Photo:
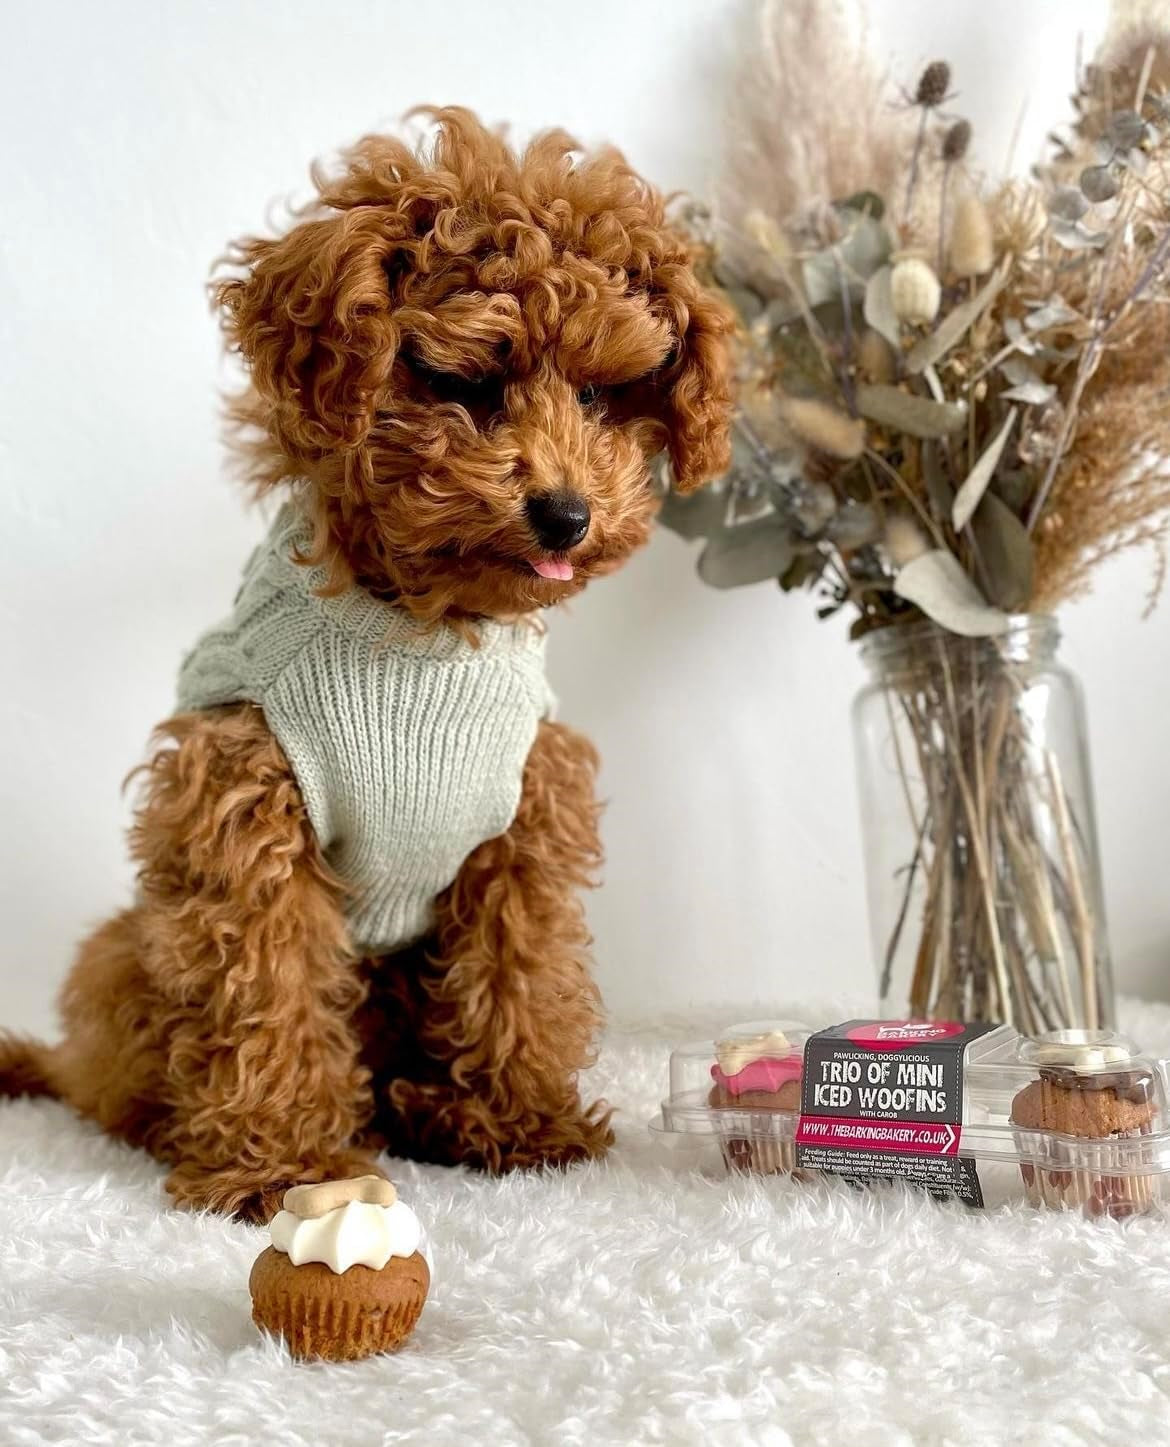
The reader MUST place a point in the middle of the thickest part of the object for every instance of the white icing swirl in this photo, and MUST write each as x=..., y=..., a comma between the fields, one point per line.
x=737, y=1051
x=356, y=1234
x=1082, y=1057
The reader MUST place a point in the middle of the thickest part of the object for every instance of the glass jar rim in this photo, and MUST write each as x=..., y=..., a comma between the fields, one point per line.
x=1024, y=633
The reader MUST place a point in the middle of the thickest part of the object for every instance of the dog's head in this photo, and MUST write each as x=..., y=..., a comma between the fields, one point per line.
x=472, y=355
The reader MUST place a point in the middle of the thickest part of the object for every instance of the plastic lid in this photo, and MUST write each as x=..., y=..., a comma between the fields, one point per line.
x=757, y=1055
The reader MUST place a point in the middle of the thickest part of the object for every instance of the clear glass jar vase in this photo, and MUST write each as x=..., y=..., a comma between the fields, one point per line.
x=982, y=867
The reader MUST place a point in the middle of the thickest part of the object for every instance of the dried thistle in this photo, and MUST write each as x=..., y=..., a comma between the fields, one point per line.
x=1018, y=217
x=932, y=85
x=956, y=141
x=931, y=92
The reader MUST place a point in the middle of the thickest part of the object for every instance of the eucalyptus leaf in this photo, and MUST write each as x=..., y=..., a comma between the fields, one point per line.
x=1026, y=383
x=1136, y=161
x=747, y=303
x=854, y=525
x=822, y=276
x=975, y=484
x=1016, y=370
x=1067, y=204
x=813, y=504
x=936, y=583
x=879, y=306
x=804, y=569
x=746, y=504
x=918, y=416
x=930, y=377
x=748, y=554
x=847, y=264
x=778, y=313
x=1005, y=551
x=938, y=486
x=954, y=325
x=1125, y=129
x=1033, y=393
x=698, y=516
x=1074, y=236
x=1014, y=486
x=865, y=248
x=869, y=203
x=1055, y=312
x=1099, y=184
x=1013, y=329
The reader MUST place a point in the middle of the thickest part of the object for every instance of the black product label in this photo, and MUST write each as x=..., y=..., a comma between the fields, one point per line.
x=883, y=1100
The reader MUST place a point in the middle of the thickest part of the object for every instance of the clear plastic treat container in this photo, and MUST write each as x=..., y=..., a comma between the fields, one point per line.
x=741, y=1091
x=1072, y=1120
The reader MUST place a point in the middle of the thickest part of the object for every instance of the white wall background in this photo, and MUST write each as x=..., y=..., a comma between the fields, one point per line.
x=135, y=138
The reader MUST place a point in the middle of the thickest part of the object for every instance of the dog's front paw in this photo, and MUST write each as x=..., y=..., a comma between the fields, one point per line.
x=233, y=1192
x=561, y=1141
x=439, y=1123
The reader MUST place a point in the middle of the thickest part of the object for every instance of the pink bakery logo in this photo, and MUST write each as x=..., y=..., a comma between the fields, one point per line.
x=893, y=1034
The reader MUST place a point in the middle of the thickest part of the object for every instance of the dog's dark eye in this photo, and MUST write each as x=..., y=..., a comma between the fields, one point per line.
x=588, y=395
x=477, y=394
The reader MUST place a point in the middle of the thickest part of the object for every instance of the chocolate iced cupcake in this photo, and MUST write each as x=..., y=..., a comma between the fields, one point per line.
x=1090, y=1095
x=756, y=1100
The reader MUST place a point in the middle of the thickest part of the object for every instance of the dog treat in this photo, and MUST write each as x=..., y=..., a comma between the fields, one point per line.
x=1087, y=1092
x=325, y=1196
x=744, y=1088
x=1072, y=1119
x=345, y=1282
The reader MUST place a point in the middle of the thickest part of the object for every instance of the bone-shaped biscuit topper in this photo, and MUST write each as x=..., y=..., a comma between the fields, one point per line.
x=311, y=1201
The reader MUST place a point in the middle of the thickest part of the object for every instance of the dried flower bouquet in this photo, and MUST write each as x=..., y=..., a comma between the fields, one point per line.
x=954, y=405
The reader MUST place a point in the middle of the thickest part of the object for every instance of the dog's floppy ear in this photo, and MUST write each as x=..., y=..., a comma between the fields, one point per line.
x=311, y=316
x=699, y=395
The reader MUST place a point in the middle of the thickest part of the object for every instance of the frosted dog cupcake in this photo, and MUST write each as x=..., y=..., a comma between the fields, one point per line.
x=344, y=1277
x=756, y=1097
x=1091, y=1095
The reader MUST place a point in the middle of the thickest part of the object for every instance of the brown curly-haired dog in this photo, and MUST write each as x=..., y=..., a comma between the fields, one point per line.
x=461, y=363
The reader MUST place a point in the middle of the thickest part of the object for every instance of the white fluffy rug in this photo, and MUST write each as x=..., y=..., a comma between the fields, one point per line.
x=623, y=1304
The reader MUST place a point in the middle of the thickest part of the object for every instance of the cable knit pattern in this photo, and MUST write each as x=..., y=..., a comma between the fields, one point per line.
x=408, y=745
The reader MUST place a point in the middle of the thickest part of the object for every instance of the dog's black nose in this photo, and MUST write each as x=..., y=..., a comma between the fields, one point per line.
x=559, y=519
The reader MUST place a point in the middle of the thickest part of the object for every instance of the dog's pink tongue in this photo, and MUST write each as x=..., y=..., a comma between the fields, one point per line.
x=550, y=568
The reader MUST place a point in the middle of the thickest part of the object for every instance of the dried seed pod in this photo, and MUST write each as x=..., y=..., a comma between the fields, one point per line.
x=820, y=425
x=932, y=84
x=972, y=240
x=956, y=141
x=904, y=540
x=875, y=357
x=914, y=291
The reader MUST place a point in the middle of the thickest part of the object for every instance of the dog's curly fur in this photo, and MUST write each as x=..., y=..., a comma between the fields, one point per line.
x=445, y=334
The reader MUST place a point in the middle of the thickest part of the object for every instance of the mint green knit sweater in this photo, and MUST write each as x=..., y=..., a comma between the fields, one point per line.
x=408, y=745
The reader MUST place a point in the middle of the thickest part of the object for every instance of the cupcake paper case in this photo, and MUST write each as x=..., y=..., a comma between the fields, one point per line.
x=1092, y=1094
x=345, y=1276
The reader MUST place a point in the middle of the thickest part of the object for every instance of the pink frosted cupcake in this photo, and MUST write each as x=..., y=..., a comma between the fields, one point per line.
x=756, y=1094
